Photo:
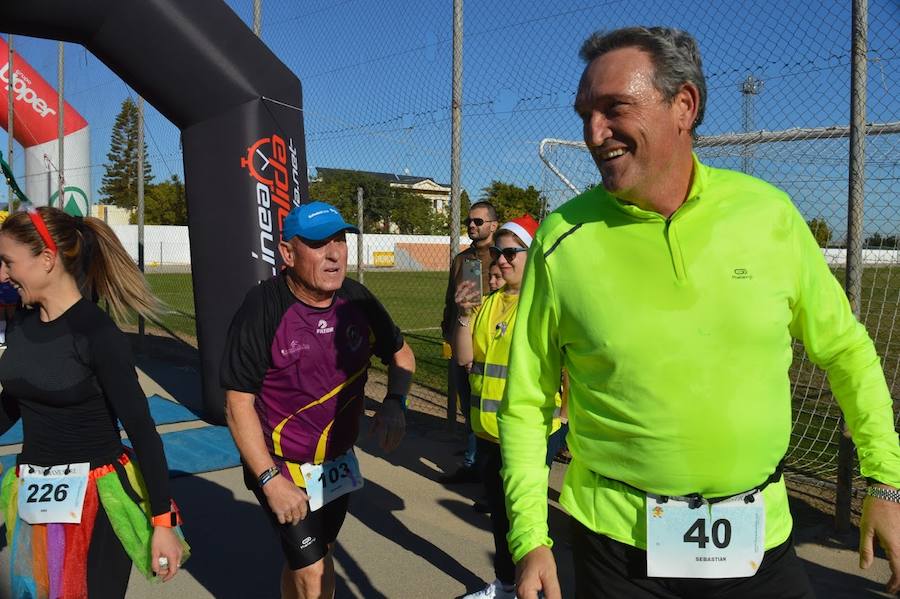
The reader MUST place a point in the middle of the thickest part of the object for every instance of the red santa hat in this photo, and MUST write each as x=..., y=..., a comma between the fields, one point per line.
x=524, y=227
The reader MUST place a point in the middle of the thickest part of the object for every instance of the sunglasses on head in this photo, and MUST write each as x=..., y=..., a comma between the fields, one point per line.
x=477, y=221
x=508, y=253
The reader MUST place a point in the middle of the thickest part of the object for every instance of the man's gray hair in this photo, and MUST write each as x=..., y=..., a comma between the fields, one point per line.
x=675, y=56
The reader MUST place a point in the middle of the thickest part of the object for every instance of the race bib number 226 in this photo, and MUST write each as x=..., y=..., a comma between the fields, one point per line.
x=52, y=495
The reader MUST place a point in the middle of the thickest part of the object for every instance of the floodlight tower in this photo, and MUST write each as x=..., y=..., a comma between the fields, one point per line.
x=750, y=87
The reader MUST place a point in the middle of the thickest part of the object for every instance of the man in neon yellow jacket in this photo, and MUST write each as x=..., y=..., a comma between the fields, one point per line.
x=671, y=294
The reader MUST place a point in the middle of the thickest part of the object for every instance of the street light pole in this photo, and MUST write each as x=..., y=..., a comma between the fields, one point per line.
x=750, y=87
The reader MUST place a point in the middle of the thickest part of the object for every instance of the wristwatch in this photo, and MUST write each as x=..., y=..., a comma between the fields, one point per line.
x=883, y=493
x=170, y=519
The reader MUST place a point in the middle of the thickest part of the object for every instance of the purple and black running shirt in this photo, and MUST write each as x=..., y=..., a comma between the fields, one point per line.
x=307, y=367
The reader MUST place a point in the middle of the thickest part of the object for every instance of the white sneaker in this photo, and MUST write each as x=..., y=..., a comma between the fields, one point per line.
x=492, y=591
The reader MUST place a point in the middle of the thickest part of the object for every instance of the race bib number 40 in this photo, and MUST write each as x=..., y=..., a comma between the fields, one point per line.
x=326, y=482
x=719, y=540
x=52, y=495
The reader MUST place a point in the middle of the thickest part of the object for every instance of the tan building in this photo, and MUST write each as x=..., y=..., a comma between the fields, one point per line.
x=437, y=194
x=112, y=215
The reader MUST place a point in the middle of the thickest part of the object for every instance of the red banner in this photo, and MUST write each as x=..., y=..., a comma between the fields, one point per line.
x=34, y=103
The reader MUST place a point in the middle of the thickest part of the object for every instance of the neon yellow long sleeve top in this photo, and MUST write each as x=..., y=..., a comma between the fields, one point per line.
x=677, y=337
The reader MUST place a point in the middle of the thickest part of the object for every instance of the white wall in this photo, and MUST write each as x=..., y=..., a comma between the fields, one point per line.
x=386, y=243
x=165, y=244
x=838, y=257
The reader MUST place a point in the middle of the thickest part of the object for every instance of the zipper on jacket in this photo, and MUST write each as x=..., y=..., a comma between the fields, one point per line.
x=675, y=250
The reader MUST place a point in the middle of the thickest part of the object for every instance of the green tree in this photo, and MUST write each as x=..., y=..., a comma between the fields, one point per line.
x=442, y=221
x=464, y=204
x=512, y=201
x=338, y=188
x=879, y=241
x=164, y=203
x=821, y=231
x=119, y=184
x=414, y=215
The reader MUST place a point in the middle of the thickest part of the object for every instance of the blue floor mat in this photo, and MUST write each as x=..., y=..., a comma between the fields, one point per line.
x=13, y=435
x=162, y=410
x=188, y=452
x=200, y=450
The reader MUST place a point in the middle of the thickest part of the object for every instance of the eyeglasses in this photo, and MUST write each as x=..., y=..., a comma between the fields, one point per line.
x=477, y=221
x=508, y=253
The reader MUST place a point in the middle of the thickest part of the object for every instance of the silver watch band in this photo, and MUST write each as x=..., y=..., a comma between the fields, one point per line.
x=882, y=493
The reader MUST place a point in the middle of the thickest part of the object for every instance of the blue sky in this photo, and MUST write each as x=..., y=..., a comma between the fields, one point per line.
x=376, y=79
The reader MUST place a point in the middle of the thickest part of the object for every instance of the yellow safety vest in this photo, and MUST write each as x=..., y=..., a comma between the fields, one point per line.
x=492, y=329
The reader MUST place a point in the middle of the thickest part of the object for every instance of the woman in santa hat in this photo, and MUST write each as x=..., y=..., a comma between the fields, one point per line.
x=481, y=343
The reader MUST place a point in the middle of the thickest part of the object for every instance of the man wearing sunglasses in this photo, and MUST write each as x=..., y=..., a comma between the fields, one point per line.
x=672, y=294
x=481, y=225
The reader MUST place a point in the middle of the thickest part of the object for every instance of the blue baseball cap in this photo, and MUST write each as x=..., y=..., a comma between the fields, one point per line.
x=314, y=221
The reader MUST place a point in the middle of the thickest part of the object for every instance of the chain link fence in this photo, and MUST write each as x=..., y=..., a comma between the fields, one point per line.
x=377, y=112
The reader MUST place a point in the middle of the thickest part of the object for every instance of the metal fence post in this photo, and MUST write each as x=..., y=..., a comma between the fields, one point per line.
x=9, y=118
x=360, y=253
x=455, y=168
x=60, y=129
x=257, y=18
x=856, y=182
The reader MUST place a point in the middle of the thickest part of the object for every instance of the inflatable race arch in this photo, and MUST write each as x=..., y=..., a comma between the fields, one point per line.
x=238, y=108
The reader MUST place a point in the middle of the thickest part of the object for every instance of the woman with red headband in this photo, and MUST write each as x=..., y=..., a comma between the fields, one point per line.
x=78, y=510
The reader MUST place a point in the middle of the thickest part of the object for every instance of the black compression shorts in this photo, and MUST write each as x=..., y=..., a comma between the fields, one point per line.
x=307, y=542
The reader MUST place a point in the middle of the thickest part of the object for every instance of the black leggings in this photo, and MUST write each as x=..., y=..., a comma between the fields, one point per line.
x=108, y=566
x=607, y=568
x=488, y=459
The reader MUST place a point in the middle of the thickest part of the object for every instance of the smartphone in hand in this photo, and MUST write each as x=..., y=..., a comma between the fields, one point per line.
x=471, y=271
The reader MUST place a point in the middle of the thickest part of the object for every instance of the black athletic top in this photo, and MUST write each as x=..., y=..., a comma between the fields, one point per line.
x=69, y=379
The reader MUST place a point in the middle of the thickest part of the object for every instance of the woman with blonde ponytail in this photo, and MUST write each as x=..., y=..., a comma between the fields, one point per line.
x=78, y=509
x=111, y=272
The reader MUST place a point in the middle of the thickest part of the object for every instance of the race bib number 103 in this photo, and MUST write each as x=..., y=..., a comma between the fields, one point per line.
x=326, y=482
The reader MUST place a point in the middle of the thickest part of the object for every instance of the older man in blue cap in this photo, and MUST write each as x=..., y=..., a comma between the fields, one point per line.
x=294, y=370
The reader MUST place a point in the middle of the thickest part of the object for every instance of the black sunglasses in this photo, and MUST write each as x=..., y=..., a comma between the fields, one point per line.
x=508, y=253
x=477, y=221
